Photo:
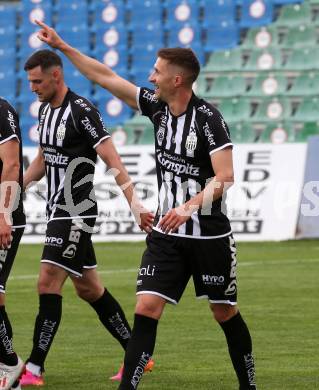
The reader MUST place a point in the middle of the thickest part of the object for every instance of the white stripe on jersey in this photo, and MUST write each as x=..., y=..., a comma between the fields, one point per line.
x=47, y=110
x=180, y=199
x=52, y=125
x=190, y=153
x=52, y=187
x=63, y=120
x=169, y=132
x=192, y=188
x=179, y=134
x=168, y=177
x=61, y=187
x=161, y=196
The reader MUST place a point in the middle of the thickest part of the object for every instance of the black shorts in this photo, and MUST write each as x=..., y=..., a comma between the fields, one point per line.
x=169, y=261
x=7, y=257
x=68, y=244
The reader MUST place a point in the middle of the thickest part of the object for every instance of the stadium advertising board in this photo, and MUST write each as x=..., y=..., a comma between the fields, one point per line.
x=262, y=205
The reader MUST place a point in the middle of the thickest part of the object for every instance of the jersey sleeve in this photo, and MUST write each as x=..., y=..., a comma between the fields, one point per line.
x=216, y=133
x=91, y=124
x=9, y=122
x=147, y=102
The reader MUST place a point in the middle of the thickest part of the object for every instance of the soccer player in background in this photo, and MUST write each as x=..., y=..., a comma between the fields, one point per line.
x=71, y=135
x=12, y=223
x=191, y=235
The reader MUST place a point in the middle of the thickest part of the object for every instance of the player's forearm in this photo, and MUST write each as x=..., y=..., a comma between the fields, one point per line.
x=34, y=173
x=9, y=187
x=213, y=191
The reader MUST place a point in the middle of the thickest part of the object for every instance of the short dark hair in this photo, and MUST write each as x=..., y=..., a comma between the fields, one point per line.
x=183, y=57
x=44, y=58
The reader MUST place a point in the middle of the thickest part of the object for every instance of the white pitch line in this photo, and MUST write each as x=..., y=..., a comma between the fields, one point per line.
x=240, y=264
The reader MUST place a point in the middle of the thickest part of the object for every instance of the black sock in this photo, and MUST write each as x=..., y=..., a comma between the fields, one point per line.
x=46, y=326
x=139, y=350
x=113, y=318
x=240, y=350
x=7, y=354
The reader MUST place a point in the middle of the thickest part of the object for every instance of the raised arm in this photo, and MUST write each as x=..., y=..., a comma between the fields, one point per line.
x=91, y=68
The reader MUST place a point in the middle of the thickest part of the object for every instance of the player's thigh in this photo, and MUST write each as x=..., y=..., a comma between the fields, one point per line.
x=214, y=270
x=7, y=257
x=163, y=271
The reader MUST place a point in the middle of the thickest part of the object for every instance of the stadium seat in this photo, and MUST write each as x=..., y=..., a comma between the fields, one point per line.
x=217, y=11
x=221, y=37
x=300, y=36
x=114, y=57
x=256, y=13
x=235, y=110
x=226, y=86
x=302, y=59
x=139, y=130
x=306, y=84
x=277, y=133
x=30, y=11
x=148, y=11
x=272, y=109
x=264, y=60
x=112, y=13
x=75, y=35
x=110, y=35
x=71, y=13
x=179, y=12
x=222, y=61
x=307, y=110
x=261, y=37
x=186, y=35
x=148, y=34
x=308, y=129
x=8, y=16
x=140, y=78
x=7, y=59
x=8, y=37
x=295, y=15
x=78, y=83
x=113, y=110
x=268, y=85
x=242, y=132
x=8, y=84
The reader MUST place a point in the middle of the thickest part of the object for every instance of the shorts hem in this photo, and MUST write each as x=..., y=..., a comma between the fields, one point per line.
x=227, y=302
x=158, y=294
x=193, y=237
x=62, y=266
x=90, y=266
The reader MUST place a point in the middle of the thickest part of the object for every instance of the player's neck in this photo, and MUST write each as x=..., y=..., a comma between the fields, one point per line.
x=179, y=102
x=59, y=97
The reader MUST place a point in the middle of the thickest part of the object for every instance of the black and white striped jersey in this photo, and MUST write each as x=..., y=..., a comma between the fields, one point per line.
x=183, y=149
x=69, y=135
x=10, y=129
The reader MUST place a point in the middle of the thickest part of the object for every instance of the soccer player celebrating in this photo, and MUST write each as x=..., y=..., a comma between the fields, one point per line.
x=191, y=236
x=71, y=135
x=12, y=223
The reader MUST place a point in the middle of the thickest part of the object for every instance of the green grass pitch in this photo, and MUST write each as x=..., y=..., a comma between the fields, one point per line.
x=278, y=297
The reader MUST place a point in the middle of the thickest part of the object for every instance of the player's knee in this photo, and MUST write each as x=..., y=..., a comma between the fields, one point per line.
x=150, y=307
x=223, y=312
x=88, y=294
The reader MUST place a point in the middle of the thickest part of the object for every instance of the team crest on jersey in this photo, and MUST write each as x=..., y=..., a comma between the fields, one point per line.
x=191, y=141
x=60, y=134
